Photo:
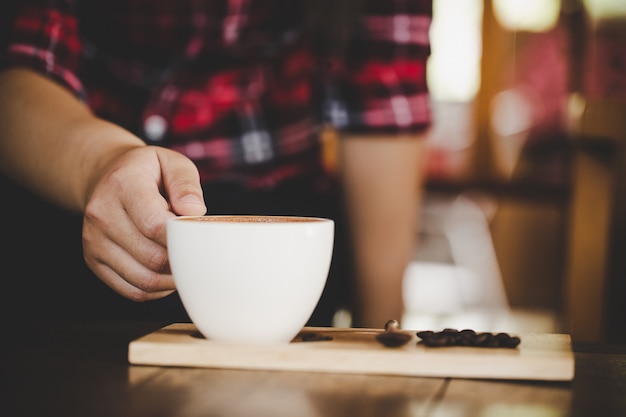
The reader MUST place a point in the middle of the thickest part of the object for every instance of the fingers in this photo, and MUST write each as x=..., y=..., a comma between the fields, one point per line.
x=182, y=184
x=124, y=237
x=127, y=277
x=147, y=208
x=125, y=288
x=124, y=259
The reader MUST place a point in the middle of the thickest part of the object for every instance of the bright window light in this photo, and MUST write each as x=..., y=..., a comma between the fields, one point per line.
x=455, y=35
x=601, y=9
x=527, y=15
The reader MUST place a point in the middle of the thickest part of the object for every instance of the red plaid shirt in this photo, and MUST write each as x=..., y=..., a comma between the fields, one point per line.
x=231, y=83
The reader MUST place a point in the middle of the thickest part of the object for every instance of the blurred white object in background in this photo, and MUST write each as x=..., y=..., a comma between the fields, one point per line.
x=440, y=288
x=460, y=288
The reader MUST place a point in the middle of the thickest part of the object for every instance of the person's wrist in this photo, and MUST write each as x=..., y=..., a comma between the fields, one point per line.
x=102, y=145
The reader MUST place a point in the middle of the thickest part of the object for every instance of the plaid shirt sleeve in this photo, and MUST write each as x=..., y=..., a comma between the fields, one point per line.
x=381, y=85
x=44, y=37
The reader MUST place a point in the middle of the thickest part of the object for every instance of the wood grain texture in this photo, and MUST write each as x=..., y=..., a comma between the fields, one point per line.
x=547, y=357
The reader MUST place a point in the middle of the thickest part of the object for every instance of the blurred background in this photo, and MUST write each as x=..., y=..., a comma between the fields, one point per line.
x=522, y=226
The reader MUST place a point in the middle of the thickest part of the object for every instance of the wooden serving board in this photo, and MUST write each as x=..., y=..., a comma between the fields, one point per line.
x=538, y=357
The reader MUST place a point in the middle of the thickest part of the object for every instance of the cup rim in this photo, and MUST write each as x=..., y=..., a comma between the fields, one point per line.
x=241, y=219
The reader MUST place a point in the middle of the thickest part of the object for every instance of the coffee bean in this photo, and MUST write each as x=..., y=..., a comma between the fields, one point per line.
x=438, y=340
x=512, y=342
x=467, y=337
x=492, y=341
x=393, y=339
x=467, y=333
x=393, y=336
x=481, y=339
x=425, y=334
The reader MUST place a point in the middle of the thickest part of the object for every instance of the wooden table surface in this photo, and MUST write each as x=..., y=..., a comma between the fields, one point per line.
x=80, y=368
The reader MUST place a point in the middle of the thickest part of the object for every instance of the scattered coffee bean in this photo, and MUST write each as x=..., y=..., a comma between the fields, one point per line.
x=392, y=336
x=467, y=337
x=481, y=339
x=393, y=339
x=392, y=325
x=511, y=342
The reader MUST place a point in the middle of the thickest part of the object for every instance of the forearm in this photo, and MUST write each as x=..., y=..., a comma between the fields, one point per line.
x=50, y=142
x=383, y=180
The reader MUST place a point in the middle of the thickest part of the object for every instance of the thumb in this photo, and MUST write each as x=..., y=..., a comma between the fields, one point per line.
x=181, y=182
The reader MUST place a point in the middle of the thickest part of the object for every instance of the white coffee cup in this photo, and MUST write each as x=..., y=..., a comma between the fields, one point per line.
x=250, y=279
